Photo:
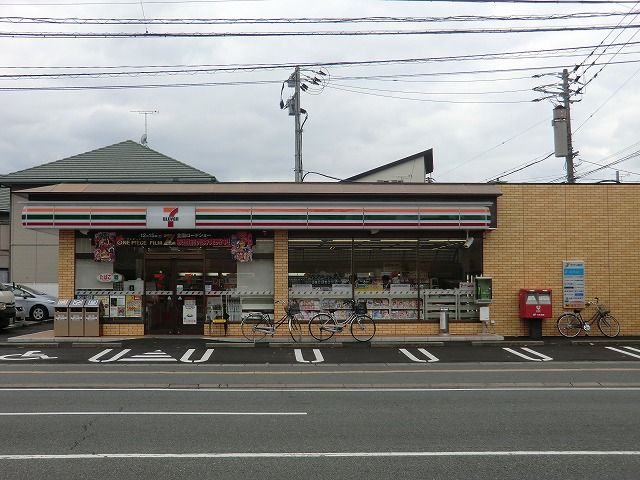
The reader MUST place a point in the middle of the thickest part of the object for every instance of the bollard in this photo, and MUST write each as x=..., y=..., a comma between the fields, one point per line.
x=444, y=321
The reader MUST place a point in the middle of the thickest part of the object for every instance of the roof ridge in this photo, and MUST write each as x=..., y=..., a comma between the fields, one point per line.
x=126, y=160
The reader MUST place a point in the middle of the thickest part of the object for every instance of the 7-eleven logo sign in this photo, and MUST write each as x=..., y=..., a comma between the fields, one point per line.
x=170, y=216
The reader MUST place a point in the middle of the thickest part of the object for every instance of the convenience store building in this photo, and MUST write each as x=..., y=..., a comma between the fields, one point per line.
x=153, y=252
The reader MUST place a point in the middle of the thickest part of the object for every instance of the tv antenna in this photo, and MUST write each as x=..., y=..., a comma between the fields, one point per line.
x=143, y=140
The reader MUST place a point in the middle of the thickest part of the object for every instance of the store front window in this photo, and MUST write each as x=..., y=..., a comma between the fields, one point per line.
x=174, y=283
x=395, y=273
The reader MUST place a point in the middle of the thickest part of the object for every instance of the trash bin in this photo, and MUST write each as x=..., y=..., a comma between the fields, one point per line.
x=444, y=321
x=61, y=319
x=76, y=318
x=92, y=318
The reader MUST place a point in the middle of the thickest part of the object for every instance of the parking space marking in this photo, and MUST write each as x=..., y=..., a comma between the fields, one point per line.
x=541, y=356
x=30, y=355
x=154, y=356
x=316, y=352
x=430, y=358
x=625, y=351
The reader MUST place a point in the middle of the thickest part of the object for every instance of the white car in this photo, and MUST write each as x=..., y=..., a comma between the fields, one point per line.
x=37, y=306
x=7, y=307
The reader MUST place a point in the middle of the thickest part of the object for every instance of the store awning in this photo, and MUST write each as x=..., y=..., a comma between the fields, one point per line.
x=256, y=215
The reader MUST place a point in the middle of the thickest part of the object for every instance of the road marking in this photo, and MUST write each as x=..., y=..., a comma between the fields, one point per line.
x=207, y=355
x=182, y=373
x=117, y=356
x=38, y=414
x=321, y=389
x=258, y=455
x=30, y=355
x=413, y=358
x=155, y=356
x=542, y=357
x=316, y=352
x=626, y=352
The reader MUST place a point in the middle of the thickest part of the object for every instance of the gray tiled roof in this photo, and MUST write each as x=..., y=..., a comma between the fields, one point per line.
x=125, y=162
x=4, y=199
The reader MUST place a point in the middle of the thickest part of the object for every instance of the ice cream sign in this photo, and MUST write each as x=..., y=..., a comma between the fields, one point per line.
x=110, y=277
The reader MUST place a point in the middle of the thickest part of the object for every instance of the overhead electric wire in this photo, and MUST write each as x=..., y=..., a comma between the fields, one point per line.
x=518, y=169
x=303, y=20
x=333, y=33
x=504, y=142
x=354, y=90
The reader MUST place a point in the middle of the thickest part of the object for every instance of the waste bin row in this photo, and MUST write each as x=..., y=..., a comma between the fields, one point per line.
x=77, y=318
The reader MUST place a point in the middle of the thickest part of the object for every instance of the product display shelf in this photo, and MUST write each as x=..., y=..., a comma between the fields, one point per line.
x=238, y=303
x=385, y=305
x=312, y=302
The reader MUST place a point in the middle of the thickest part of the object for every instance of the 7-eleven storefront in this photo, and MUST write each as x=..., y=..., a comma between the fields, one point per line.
x=177, y=259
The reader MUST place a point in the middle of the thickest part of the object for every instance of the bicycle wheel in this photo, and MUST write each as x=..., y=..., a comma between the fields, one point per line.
x=295, y=328
x=363, y=328
x=254, y=328
x=609, y=326
x=322, y=326
x=569, y=325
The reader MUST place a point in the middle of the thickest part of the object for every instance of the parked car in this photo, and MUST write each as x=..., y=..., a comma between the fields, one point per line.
x=7, y=306
x=37, y=306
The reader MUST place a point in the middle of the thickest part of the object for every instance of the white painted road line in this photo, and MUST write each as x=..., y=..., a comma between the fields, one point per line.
x=542, y=357
x=625, y=351
x=430, y=358
x=300, y=359
x=323, y=390
x=37, y=414
x=259, y=455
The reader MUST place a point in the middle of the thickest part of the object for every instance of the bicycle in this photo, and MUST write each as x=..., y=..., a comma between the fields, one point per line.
x=256, y=325
x=324, y=325
x=570, y=324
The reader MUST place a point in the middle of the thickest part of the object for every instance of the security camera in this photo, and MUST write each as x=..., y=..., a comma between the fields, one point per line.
x=469, y=242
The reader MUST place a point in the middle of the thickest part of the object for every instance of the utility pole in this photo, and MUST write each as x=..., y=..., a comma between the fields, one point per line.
x=567, y=105
x=298, y=128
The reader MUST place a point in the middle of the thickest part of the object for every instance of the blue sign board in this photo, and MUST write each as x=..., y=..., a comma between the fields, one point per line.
x=573, y=284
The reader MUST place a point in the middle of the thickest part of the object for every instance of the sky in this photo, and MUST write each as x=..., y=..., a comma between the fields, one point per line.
x=481, y=126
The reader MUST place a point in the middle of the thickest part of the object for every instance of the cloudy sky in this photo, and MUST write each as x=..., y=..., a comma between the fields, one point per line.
x=229, y=123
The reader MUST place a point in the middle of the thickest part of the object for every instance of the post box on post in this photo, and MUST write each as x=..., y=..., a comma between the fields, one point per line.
x=535, y=305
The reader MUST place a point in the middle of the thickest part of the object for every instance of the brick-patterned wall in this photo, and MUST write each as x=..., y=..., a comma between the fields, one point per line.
x=122, y=329
x=66, y=264
x=540, y=226
x=281, y=271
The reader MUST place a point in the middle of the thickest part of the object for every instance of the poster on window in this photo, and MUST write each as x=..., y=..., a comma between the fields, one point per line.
x=189, y=316
x=104, y=247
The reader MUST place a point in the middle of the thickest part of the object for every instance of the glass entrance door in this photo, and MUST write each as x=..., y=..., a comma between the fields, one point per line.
x=174, y=294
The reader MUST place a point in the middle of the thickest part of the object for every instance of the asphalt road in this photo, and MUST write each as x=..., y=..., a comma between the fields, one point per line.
x=199, y=352
x=474, y=421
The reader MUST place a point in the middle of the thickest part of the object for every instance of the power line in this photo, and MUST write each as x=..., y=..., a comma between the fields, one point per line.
x=520, y=168
x=304, y=20
x=494, y=147
x=347, y=33
x=354, y=90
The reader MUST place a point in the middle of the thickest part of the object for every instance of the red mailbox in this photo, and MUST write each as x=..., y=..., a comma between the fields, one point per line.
x=535, y=303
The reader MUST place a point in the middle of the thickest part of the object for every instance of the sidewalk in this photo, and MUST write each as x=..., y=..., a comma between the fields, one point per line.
x=47, y=339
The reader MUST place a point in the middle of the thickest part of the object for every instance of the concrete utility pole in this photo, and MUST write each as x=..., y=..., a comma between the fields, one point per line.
x=298, y=128
x=567, y=105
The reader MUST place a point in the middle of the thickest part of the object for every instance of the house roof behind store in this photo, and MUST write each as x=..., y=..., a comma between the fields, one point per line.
x=124, y=162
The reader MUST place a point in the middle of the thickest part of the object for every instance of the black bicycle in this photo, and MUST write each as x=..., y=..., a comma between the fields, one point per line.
x=257, y=325
x=324, y=325
x=570, y=324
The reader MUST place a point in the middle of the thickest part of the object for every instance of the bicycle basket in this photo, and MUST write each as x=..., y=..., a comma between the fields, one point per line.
x=360, y=308
x=603, y=309
x=292, y=308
